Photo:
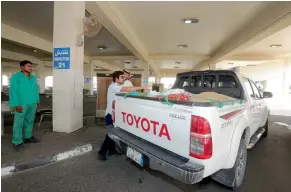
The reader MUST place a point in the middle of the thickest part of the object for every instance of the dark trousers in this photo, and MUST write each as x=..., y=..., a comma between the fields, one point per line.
x=108, y=143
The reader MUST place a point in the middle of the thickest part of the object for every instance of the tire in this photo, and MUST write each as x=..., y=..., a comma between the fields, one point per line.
x=266, y=127
x=240, y=165
x=234, y=176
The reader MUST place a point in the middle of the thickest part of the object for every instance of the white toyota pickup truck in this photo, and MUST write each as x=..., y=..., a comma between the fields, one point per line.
x=190, y=141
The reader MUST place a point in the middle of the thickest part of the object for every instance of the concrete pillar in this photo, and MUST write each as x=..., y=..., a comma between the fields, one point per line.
x=145, y=78
x=93, y=74
x=158, y=79
x=68, y=66
x=287, y=82
x=1, y=78
x=212, y=67
x=236, y=69
x=88, y=77
x=146, y=75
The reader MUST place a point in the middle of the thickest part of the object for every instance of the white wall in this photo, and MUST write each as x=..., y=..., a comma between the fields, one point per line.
x=271, y=72
x=276, y=74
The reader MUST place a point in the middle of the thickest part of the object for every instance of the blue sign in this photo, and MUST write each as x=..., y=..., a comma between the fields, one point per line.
x=62, y=58
x=145, y=81
x=87, y=80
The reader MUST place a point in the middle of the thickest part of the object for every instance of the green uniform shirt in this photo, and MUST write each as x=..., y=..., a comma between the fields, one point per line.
x=23, y=90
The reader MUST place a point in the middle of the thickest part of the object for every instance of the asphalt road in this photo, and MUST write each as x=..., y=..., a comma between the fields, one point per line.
x=268, y=170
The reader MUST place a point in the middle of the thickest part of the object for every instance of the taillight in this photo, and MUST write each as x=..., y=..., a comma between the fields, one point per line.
x=113, y=111
x=200, y=138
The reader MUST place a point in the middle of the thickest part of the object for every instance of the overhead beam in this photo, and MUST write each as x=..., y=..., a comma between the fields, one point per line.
x=48, y=63
x=274, y=18
x=105, y=65
x=13, y=34
x=154, y=66
x=257, y=57
x=252, y=58
x=154, y=57
x=18, y=56
x=173, y=70
x=10, y=64
x=13, y=64
x=114, y=22
x=115, y=57
x=179, y=57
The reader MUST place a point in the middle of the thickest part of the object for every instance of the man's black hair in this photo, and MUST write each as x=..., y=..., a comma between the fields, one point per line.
x=22, y=63
x=116, y=75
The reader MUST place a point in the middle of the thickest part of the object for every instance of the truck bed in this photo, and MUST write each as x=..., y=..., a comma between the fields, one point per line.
x=186, y=103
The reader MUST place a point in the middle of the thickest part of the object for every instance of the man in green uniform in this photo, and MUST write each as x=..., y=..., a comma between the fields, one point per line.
x=24, y=98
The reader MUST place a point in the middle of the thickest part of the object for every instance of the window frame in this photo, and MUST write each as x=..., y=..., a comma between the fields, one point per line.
x=248, y=81
x=234, y=78
x=191, y=78
x=178, y=82
x=203, y=81
x=255, y=87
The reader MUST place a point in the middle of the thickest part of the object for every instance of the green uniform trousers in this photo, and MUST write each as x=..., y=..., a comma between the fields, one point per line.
x=23, y=122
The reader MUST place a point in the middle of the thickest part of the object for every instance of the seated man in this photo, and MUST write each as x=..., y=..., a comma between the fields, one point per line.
x=116, y=87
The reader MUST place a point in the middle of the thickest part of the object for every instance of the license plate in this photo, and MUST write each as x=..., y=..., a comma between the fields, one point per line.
x=134, y=155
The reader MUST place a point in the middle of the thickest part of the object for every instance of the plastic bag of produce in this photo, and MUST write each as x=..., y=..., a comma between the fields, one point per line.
x=179, y=97
x=153, y=94
x=174, y=91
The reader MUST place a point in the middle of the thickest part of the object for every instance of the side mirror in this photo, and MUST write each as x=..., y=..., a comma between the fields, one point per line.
x=267, y=95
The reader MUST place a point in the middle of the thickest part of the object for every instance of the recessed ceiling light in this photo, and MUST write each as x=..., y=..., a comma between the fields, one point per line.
x=127, y=62
x=134, y=67
x=176, y=67
x=35, y=50
x=230, y=63
x=276, y=45
x=102, y=47
x=177, y=62
x=182, y=46
x=189, y=21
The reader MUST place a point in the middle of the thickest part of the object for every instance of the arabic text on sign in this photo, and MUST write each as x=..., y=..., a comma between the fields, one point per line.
x=64, y=52
x=62, y=59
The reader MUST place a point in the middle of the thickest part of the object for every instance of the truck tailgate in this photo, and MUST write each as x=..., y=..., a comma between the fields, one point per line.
x=163, y=125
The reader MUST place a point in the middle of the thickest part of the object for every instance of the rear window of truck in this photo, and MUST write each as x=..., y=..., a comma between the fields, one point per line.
x=223, y=83
x=226, y=81
x=210, y=81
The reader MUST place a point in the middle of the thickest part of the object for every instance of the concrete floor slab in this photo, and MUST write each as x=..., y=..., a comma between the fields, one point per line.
x=268, y=170
x=51, y=143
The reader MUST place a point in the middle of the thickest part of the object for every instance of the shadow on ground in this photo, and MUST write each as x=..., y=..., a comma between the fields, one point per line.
x=51, y=143
x=268, y=170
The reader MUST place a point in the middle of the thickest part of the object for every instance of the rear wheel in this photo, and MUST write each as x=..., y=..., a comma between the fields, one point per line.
x=233, y=177
x=266, y=127
x=240, y=165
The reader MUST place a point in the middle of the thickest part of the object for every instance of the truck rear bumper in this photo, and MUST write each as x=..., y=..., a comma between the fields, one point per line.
x=158, y=158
